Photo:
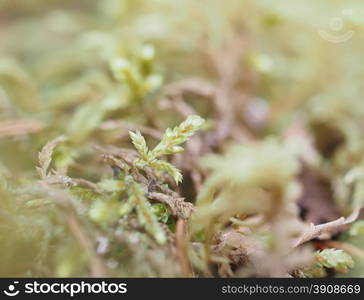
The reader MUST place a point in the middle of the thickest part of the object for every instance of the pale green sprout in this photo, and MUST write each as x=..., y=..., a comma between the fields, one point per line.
x=146, y=217
x=261, y=63
x=335, y=259
x=147, y=52
x=357, y=228
x=123, y=70
x=327, y=258
x=136, y=73
x=170, y=144
x=104, y=210
x=161, y=211
x=111, y=185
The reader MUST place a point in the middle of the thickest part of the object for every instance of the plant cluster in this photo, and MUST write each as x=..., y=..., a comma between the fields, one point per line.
x=180, y=138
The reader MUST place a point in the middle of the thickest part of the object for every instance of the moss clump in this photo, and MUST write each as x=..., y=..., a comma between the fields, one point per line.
x=180, y=138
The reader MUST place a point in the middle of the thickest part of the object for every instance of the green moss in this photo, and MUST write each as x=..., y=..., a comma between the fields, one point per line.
x=105, y=160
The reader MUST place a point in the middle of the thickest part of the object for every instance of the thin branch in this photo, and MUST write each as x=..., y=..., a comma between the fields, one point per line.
x=181, y=249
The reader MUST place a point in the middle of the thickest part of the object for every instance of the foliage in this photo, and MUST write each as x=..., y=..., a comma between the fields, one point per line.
x=168, y=145
x=107, y=168
x=333, y=258
x=329, y=258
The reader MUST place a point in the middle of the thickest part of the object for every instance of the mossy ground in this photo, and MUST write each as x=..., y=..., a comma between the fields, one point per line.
x=261, y=172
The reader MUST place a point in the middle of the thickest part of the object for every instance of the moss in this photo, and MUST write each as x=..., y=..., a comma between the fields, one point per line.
x=180, y=138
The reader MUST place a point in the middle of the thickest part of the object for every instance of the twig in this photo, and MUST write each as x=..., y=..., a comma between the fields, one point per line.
x=327, y=230
x=19, y=127
x=179, y=207
x=181, y=249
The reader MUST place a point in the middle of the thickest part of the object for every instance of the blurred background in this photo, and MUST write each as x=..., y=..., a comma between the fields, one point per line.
x=288, y=64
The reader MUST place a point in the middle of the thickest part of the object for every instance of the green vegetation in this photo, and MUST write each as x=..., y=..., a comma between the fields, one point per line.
x=167, y=138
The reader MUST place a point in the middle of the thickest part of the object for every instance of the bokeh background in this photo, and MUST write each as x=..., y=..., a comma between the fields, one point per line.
x=299, y=72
